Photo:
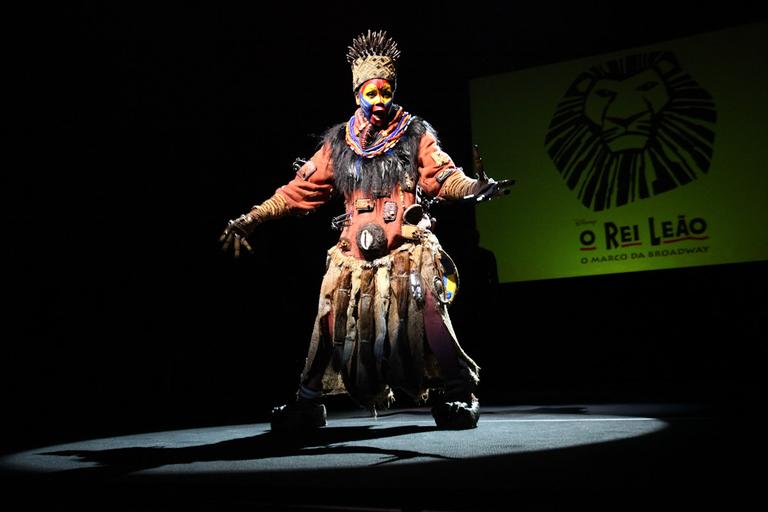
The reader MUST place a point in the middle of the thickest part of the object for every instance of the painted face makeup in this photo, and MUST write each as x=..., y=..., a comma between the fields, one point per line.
x=375, y=99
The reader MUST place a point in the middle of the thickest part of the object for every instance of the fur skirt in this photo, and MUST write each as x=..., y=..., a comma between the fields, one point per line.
x=384, y=325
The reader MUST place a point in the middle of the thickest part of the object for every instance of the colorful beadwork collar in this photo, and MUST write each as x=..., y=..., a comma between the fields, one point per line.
x=385, y=140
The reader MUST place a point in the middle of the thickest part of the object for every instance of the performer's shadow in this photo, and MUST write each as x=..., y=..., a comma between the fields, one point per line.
x=324, y=441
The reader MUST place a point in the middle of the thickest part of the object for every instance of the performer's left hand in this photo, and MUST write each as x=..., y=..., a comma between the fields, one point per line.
x=487, y=188
x=491, y=188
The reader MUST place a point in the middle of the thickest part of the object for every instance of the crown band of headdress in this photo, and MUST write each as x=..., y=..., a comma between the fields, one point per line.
x=373, y=55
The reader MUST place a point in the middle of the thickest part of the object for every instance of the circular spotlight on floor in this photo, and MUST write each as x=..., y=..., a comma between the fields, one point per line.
x=397, y=437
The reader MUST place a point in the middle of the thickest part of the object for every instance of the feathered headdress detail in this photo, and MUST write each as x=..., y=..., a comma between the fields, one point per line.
x=373, y=55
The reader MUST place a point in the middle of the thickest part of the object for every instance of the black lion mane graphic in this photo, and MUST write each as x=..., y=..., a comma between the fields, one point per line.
x=632, y=128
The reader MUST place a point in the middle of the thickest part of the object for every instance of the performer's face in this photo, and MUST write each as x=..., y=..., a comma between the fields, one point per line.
x=375, y=99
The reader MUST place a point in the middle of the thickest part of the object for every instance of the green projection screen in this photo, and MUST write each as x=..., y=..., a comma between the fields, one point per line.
x=644, y=159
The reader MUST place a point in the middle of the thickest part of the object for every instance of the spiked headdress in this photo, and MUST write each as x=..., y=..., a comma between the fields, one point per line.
x=373, y=55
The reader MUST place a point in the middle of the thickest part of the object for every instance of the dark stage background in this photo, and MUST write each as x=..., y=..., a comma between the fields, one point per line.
x=142, y=130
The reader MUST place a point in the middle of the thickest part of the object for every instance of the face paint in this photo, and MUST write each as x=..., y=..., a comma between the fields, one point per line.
x=375, y=100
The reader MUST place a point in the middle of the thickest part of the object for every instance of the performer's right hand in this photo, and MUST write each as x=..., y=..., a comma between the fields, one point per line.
x=236, y=233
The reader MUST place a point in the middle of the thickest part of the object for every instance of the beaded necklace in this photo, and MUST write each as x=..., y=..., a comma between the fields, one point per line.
x=387, y=138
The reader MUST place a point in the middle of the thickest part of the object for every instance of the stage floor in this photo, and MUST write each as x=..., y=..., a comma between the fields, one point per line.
x=398, y=460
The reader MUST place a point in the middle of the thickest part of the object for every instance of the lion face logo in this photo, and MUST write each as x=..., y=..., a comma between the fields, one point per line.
x=631, y=128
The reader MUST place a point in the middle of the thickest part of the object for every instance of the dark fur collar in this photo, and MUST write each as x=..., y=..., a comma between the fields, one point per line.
x=377, y=176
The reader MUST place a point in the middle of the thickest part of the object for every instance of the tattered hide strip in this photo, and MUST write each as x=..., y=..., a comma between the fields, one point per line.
x=396, y=320
x=415, y=328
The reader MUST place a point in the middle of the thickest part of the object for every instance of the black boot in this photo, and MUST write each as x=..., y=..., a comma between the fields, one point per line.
x=300, y=415
x=457, y=414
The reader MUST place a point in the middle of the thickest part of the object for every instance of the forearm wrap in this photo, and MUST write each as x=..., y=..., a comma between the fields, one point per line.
x=458, y=185
x=273, y=208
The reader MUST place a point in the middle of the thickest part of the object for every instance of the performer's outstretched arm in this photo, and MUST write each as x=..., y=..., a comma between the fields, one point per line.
x=310, y=188
x=441, y=178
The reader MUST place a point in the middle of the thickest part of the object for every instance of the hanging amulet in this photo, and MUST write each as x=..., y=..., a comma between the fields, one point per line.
x=407, y=182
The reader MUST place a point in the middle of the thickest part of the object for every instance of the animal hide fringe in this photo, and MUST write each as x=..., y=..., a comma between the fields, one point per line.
x=369, y=334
